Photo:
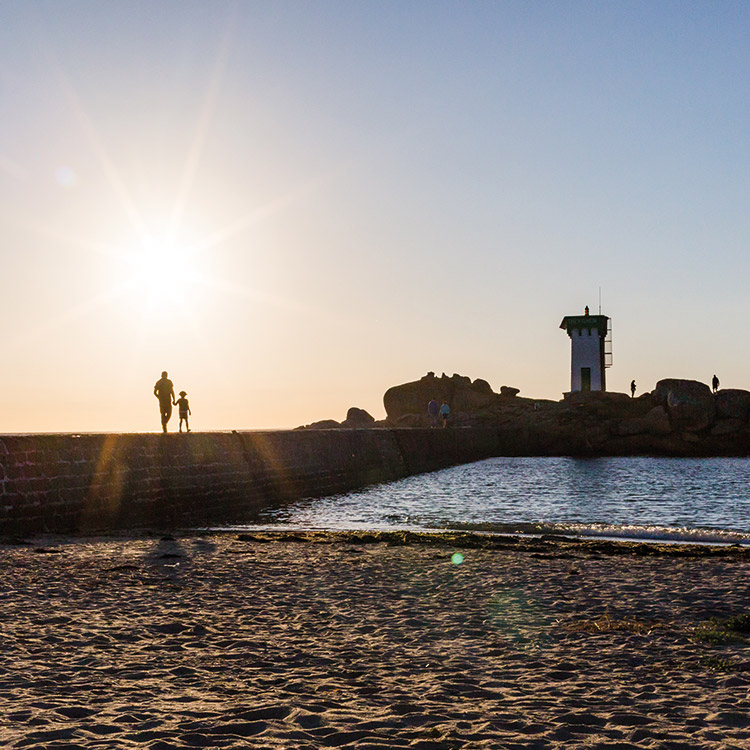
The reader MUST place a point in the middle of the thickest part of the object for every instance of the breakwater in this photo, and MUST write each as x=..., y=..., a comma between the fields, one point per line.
x=88, y=483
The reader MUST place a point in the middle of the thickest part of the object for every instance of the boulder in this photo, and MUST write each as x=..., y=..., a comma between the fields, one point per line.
x=412, y=420
x=727, y=426
x=482, y=386
x=508, y=392
x=732, y=403
x=461, y=394
x=656, y=422
x=608, y=404
x=629, y=427
x=358, y=418
x=324, y=424
x=690, y=404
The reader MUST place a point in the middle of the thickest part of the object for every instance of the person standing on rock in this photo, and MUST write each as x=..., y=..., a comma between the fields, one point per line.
x=632, y=389
x=433, y=410
x=715, y=383
x=164, y=391
x=445, y=411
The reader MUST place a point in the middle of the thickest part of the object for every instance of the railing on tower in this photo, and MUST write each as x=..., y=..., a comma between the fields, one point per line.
x=608, y=345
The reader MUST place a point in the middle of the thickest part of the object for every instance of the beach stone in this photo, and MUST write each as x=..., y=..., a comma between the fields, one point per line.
x=732, y=403
x=689, y=403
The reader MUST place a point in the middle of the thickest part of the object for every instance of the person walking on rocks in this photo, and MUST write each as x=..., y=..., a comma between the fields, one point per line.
x=433, y=410
x=715, y=383
x=183, y=408
x=632, y=389
x=445, y=411
x=164, y=391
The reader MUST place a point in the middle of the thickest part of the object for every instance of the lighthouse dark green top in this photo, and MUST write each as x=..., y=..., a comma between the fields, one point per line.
x=579, y=322
x=587, y=334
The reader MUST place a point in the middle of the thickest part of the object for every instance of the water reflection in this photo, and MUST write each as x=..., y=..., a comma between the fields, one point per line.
x=603, y=495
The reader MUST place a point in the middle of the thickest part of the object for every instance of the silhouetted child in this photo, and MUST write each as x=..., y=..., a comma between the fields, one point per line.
x=184, y=408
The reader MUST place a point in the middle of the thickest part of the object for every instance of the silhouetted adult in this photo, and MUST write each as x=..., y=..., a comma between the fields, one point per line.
x=164, y=391
x=632, y=388
x=715, y=383
x=433, y=409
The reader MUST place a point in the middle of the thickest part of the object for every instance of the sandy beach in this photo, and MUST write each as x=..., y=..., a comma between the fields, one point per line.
x=234, y=640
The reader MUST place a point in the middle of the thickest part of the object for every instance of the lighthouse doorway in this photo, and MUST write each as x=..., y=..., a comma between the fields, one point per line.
x=585, y=378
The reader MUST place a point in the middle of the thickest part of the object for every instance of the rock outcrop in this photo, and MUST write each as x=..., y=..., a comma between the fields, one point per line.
x=679, y=418
x=467, y=399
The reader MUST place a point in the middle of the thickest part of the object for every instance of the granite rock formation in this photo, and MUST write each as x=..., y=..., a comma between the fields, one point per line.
x=680, y=417
x=407, y=403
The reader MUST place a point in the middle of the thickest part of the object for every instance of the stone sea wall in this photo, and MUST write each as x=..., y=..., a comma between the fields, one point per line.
x=88, y=483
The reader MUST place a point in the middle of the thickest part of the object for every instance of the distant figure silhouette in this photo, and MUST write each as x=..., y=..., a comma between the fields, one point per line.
x=586, y=310
x=632, y=389
x=715, y=383
x=183, y=407
x=164, y=391
x=433, y=409
x=445, y=411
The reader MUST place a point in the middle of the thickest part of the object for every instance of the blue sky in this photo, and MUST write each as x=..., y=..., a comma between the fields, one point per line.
x=292, y=206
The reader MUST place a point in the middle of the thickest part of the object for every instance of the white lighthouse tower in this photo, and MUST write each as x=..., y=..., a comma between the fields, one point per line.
x=589, y=351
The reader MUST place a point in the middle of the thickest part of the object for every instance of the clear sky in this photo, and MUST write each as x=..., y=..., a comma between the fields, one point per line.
x=293, y=205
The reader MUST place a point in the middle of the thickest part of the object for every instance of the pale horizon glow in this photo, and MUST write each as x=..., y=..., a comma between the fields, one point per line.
x=291, y=207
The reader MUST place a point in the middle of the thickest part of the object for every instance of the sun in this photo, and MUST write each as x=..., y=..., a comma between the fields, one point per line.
x=161, y=274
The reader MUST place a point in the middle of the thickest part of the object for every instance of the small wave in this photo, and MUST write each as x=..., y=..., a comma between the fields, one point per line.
x=662, y=534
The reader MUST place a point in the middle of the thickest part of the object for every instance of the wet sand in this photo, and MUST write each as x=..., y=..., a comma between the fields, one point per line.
x=325, y=640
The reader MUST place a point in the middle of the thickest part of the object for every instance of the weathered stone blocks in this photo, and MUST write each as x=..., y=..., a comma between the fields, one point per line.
x=99, y=482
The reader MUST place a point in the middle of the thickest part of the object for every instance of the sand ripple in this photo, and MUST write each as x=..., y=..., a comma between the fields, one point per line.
x=216, y=641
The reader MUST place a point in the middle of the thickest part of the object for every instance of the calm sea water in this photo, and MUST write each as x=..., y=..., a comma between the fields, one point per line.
x=703, y=500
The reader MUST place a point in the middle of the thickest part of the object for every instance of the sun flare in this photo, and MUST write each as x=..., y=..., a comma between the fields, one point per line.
x=161, y=274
